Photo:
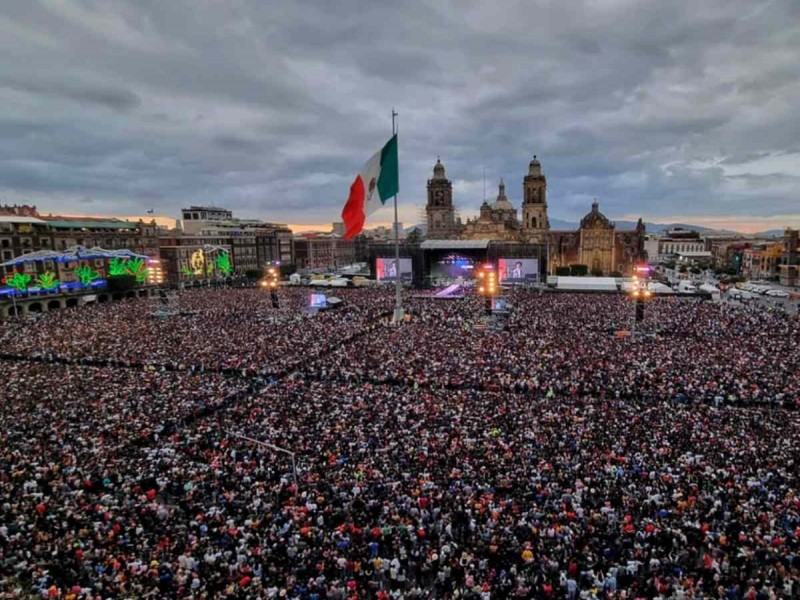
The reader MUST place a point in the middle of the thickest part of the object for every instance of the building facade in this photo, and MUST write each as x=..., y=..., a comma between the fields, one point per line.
x=789, y=268
x=188, y=259
x=255, y=244
x=596, y=244
x=23, y=230
x=195, y=218
x=323, y=251
x=761, y=261
x=440, y=212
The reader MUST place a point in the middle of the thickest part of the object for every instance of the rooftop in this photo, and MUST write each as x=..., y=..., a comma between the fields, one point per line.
x=454, y=244
x=16, y=219
x=85, y=223
x=208, y=208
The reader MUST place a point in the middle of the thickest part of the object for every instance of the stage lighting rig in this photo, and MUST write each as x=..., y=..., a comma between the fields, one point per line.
x=487, y=285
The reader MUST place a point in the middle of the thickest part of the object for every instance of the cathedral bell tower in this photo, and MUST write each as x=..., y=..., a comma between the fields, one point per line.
x=439, y=210
x=535, y=223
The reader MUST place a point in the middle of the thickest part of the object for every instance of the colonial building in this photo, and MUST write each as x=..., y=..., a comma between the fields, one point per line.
x=442, y=223
x=254, y=243
x=23, y=231
x=596, y=244
x=323, y=251
x=789, y=269
x=497, y=221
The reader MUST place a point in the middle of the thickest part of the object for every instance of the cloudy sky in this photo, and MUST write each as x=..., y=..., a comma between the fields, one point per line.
x=679, y=110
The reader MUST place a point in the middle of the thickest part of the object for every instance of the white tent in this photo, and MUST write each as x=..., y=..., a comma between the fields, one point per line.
x=597, y=284
x=659, y=288
x=711, y=289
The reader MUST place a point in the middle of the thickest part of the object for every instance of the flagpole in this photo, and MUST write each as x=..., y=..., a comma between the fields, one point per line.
x=398, y=284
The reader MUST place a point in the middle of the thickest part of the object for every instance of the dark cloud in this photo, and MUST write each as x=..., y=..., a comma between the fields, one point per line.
x=271, y=108
x=115, y=99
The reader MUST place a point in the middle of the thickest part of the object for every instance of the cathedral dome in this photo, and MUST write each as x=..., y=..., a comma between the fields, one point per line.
x=502, y=202
x=596, y=219
x=438, y=170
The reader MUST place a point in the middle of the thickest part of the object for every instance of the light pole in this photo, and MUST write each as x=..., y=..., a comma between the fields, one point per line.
x=639, y=293
x=487, y=286
x=275, y=449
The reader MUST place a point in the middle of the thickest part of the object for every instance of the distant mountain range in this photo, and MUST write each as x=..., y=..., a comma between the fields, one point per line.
x=651, y=227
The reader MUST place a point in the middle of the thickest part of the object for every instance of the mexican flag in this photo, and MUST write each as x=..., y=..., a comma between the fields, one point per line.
x=377, y=182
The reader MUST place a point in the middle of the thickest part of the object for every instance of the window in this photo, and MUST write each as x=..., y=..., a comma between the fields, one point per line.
x=7, y=255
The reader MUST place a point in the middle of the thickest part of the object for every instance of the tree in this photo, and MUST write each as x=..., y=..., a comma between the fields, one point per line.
x=287, y=269
x=253, y=274
x=415, y=237
x=563, y=271
x=615, y=274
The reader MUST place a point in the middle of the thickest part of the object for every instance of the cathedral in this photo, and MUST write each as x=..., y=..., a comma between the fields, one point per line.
x=597, y=243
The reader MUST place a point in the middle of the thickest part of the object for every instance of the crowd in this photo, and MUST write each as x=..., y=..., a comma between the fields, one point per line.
x=540, y=456
x=574, y=344
x=228, y=330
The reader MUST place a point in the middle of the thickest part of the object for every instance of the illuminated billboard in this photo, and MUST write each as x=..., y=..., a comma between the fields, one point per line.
x=518, y=270
x=318, y=301
x=388, y=269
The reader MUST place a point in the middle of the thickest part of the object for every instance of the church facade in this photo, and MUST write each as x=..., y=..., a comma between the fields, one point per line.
x=597, y=243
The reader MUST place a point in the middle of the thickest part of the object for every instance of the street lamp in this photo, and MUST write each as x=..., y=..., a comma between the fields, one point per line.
x=640, y=293
x=270, y=282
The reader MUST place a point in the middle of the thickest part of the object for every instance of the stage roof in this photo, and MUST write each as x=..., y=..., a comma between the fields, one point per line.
x=455, y=244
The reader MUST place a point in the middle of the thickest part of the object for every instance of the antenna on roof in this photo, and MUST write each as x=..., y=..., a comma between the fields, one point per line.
x=484, y=183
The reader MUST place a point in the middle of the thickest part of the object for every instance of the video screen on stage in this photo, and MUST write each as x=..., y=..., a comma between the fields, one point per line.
x=388, y=269
x=518, y=270
x=318, y=301
x=452, y=266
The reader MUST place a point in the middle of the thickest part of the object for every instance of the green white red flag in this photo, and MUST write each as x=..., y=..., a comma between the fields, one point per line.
x=373, y=186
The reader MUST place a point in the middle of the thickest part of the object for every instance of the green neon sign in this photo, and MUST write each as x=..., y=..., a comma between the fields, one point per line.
x=224, y=264
x=137, y=268
x=18, y=281
x=86, y=275
x=117, y=267
x=47, y=281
